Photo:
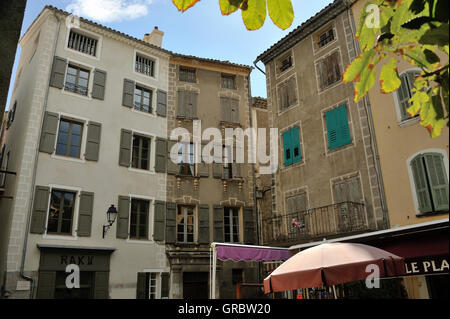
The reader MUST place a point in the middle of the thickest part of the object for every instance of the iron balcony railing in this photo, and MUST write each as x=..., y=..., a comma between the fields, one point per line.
x=342, y=218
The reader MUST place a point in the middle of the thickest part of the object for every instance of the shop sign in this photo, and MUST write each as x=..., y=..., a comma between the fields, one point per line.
x=428, y=265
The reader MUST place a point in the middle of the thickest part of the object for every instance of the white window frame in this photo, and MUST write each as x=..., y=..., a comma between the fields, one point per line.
x=410, y=121
x=152, y=137
x=156, y=65
x=151, y=211
x=158, y=273
x=153, y=105
x=227, y=209
x=87, y=67
x=89, y=34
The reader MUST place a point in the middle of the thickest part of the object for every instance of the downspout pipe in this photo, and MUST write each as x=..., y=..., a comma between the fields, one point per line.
x=33, y=183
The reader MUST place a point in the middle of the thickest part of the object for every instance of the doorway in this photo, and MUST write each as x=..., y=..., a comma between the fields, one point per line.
x=195, y=285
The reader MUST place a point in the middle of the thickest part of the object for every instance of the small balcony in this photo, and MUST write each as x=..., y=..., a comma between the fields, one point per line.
x=315, y=224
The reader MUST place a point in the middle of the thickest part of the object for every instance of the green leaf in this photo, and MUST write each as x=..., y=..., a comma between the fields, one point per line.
x=366, y=36
x=418, y=57
x=281, y=12
x=436, y=36
x=431, y=57
x=358, y=65
x=227, y=7
x=418, y=99
x=183, y=5
x=254, y=14
x=367, y=80
x=389, y=80
x=432, y=116
x=402, y=15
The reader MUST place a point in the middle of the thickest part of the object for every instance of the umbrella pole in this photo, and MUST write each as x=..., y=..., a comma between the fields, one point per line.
x=334, y=290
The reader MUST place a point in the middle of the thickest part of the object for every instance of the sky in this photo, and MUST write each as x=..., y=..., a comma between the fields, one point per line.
x=200, y=31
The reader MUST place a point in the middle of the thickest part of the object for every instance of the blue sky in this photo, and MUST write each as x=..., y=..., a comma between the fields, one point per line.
x=201, y=31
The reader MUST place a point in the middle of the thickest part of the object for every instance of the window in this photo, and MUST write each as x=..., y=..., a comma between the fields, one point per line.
x=82, y=43
x=431, y=183
x=404, y=93
x=187, y=75
x=77, y=80
x=69, y=138
x=287, y=93
x=228, y=162
x=296, y=209
x=141, y=152
x=187, y=105
x=329, y=70
x=337, y=128
x=229, y=110
x=326, y=37
x=291, y=144
x=285, y=63
x=139, y=219
x=152, y=285
x=61, y=212
x=185, y=224
x=142, y=99
x=11, y=115
x=144, y=65
x=231, y=225
x=228, y=81
x=186, y=159
x=348, y=190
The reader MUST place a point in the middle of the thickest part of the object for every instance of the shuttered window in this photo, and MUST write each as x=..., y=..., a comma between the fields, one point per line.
x=291, y=145
x=329, y=70
x=69, y=138
x=141, y=152
x=231, y=222
x=431, y=183
x=61, y=212
x=185, y=224
x=77, y=80
x=187, y=104
x=404, y=93
x=139, y=219
x=145, y=65
x=287, y=93
x=229, y=110
x=187, y=75
x=186, y=159
x=228, y=81
x=82, y=43
x=326, y=37
x=337, y=128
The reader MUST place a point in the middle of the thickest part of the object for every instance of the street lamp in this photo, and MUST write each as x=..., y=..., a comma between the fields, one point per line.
x=111, y=215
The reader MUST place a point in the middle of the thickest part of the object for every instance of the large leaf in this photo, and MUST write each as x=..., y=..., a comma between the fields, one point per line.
x=431, y=116
x=183, y=5
x=281, y=12
x=389, y=80
x=366, y=36
x=436, y=36
x=227, y=7
x=402, y=15
x=358, y=65
x=254, y=14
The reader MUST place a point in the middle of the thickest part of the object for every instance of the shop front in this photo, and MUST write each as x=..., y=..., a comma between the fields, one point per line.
x=59, y=265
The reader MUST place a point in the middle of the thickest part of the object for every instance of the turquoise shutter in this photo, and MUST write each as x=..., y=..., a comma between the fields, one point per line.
x=437, y=178
x=338, y=128
x=287, y=142
x=295, y=145
x=420, y=182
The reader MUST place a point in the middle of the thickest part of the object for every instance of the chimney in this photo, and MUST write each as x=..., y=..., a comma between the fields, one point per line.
x=155, y=37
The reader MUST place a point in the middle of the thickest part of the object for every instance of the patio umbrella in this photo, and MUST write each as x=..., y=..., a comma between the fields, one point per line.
x=331, y=264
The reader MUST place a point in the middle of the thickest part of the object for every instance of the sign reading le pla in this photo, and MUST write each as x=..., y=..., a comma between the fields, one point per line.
x=427, y=265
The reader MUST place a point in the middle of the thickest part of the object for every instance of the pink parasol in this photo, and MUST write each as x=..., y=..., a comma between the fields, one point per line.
x=331, y=264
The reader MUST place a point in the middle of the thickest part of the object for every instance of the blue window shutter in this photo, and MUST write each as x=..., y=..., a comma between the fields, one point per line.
x=337, y=127
x=287, y=142
x=295, y=145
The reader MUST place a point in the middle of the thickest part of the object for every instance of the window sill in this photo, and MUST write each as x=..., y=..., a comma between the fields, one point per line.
x=67, y=158
x=422, y=215
x=96, y=57
x=185, y=119
x=409, y=122
x=60, y=237
x=70, y=93
x=230, y=124
x=140, y=241
x=234, y=179
x=141, y=171
x=149, y=114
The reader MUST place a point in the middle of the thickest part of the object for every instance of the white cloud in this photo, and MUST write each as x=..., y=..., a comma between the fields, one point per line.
x=109, y=10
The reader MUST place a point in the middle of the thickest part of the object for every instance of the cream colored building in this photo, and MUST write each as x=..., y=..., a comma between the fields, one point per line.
x=100, y=97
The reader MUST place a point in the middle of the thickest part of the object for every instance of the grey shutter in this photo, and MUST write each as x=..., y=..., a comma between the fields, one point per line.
x=291, y=91
x=234, y=110
x=437, y=178
x=161, y=155
x=249, y=226
x=125, y=148
x=141, y=285
x=282, y=91
x=99, y=84
x=193, y=100
x=122, y=217
x=203, y=169
x=341, y=191
x=300, y=203
x=290, y=205
x=161, y=103
x=159, y=221
x=203, y=224
x=58, y=72
x=217, y=162
x=172, y=168
x=128, y=93
x=93, y=141
x=101, y=285
x=182, y=104
x=218, y=235
x=354, y=190
x=171, y=223
x=85, y=215
x=46, y=285
x=40, y=208
x=420, y=182
x=237, y=170
x=48, y=134
x=218, y=170
x=225, y=107
x=165, y=285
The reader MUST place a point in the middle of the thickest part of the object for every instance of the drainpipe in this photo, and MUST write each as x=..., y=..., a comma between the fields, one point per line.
x=373, y=139
x=256, y=66
x=33, y=183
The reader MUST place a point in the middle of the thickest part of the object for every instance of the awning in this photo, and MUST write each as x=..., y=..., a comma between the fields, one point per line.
x=250, y=253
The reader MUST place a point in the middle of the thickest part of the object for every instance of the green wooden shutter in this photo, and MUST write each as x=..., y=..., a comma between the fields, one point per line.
x=165, y=285
x=161, y=103
x=125, y=147
x=58, y=72
x=99, y=84
x=437, y=178
x=48, y=135
x=159, y=221
x=203, y=224
x=218, y=235
x=122, y=217
x=249, y=226
x=128, y=93
x=337, y=127
x=93, y=141
x=182, y=104
x=40, y=208
x=141, y=285
x=295, y=145
x=46, y=285
x=101, y=285
x=172, y=168
x=85, y=215
x=161, y=155
x=287, y=144
x=420, y=182
x=171, y=223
